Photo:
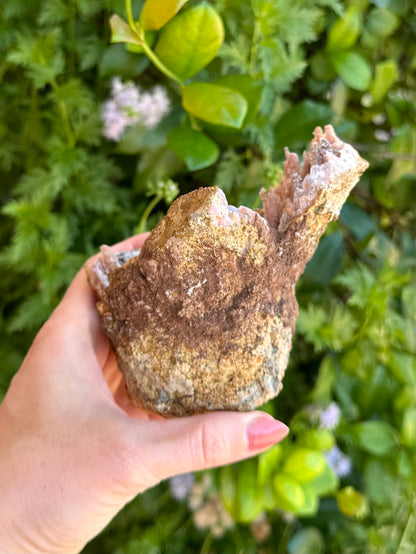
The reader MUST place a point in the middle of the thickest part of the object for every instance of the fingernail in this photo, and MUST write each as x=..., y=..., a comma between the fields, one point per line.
x=265, y=431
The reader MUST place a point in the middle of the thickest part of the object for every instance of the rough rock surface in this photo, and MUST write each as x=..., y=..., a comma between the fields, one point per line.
x=202, y=318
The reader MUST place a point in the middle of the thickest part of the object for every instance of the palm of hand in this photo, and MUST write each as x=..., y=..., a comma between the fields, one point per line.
x=73, y=448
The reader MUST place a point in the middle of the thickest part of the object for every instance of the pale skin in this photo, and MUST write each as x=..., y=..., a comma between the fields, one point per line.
x=73, y=448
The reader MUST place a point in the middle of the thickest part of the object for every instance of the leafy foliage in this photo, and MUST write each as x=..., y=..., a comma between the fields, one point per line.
x=282, y=68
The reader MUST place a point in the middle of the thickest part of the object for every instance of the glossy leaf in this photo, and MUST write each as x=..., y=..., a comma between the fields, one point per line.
x=403, y=366
x=387, y=73
x=326, y=261
x=311, y=502
x=382, y=22
x=352, y=503
x=191, y=40
x=318, y=439
x=345, y=31
x=215, y=104
x=121, y=32
x=157, y=13
x=248, y=87
x=150, y=37
x=353, y=69
x=288, y=492
x=379, y=481
x=117, y=61
x=376, y=437
x=358, y=222
x=298, y=122
x=193, y=147
x=249, y=494
x=326, y=378
x=325, y=483
x=304, y=464
x=228, y=489
x=408, y=430
x=268, y=462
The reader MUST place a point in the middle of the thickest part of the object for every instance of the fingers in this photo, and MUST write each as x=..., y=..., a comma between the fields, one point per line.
x=204, y=441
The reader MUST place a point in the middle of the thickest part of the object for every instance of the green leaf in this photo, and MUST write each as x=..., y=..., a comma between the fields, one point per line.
x=379, y=481
x=193, y=147
x=297, y=123
x=352, y=503
x=322, y=391
x=353, y=69
x=268, y=463
x=149, y=37
x=249, y=494
x=403, y=142
x=304, y=464
x=408, y=430
x=311, y=502
x=326, y=261
x=359, y=222
x=376, y=437
x=387, y=73
x=321, y=67
x=345, y=31
x=248, y=87
x=118, y=61
x=157, y=13
x=40, y=55
x=228, y=489
x=191, y=40
x=318, y=439
x=288, y=492
x=382, y=22
x=121, y=32
x=215, y=104
x=325, y=483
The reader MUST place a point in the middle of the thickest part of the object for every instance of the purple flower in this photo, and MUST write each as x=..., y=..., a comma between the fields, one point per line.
x=181, y=485
x=128, y=105
x=339, y=462
x=329, y=418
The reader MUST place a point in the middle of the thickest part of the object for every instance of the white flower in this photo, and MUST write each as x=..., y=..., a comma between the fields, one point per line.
x=127, y=106
x=114, y=120
x=181, y=485
x=339, y=462
x=153, y=106
x=212, y=514
x=329, y=418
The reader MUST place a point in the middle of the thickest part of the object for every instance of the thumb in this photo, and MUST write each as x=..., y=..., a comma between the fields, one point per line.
x=180, y=445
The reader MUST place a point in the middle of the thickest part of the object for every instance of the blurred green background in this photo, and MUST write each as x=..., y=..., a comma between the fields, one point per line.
x=344, y=480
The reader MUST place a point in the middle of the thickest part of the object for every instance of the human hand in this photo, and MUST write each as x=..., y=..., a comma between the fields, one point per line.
x=74, y=450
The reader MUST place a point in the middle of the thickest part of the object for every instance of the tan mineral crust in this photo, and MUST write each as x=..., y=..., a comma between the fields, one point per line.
x=202, y=317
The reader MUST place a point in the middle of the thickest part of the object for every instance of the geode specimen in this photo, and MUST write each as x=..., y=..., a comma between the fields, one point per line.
x=202, y=317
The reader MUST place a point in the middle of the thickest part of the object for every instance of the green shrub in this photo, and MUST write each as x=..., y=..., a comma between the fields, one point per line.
x=235, y=82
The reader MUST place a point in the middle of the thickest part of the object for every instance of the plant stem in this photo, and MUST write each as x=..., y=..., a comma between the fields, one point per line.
x=146, y=48
x=64, y=116
x=159, y=64
x=253, y=53
x=130, y=16
x=206, y=545
x=141, y=227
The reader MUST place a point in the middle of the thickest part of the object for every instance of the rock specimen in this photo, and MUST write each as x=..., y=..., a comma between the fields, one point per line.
x=202, y=318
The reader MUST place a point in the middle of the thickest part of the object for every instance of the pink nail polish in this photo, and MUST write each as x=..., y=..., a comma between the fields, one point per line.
x=265, y=431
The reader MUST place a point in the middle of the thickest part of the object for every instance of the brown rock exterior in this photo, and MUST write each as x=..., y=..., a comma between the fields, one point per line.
x=202, y=318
